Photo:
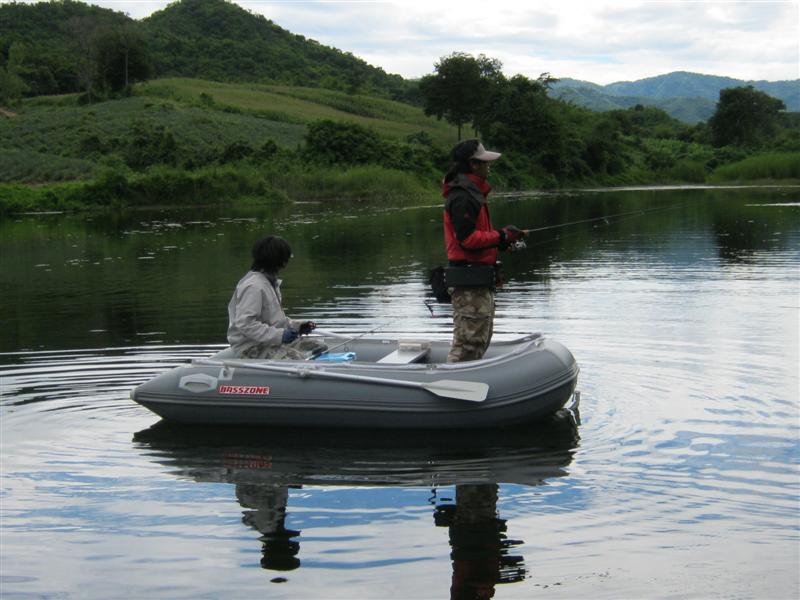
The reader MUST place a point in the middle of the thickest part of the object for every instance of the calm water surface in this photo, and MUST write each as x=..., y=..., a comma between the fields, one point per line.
x=681, y=480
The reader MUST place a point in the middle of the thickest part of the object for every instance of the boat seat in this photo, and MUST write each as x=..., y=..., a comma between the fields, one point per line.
x=407, y=353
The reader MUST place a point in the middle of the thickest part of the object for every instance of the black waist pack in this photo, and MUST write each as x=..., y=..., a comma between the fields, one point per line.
x=442, y=278
x=470, y=276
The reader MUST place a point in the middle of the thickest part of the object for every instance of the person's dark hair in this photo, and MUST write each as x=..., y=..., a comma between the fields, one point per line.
x=270, y=254
x=459, y=156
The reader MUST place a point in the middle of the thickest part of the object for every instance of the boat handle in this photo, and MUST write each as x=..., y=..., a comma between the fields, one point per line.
x=198, y=382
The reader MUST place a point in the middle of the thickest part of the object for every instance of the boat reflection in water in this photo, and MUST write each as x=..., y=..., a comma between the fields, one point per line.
x=265, y=464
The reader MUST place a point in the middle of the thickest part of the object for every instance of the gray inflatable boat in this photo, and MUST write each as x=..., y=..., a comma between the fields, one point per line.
x=372, y=383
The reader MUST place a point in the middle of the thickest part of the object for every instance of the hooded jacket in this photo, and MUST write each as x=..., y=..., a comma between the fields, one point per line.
x=468, y=233
x=255, y=315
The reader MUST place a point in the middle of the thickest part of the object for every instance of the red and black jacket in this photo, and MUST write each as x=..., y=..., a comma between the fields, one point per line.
x=468, y=233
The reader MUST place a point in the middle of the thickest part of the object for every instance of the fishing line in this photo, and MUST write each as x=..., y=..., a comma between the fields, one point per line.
x=429, y=304
x=606, y=221
x=605, y=218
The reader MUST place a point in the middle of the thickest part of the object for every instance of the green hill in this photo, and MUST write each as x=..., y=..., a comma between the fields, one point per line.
x=55, y=139
x=208, y=39
x=218, y=40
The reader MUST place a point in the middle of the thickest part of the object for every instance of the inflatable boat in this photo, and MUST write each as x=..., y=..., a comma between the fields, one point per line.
x=370, y=383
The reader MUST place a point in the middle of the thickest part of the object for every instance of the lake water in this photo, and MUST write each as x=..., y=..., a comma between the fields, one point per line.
x=680, y=481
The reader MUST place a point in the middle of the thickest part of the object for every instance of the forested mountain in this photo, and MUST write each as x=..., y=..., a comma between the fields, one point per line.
x=683, y=84
x=690, y=97
x=591, y=96
x=218, y=40
x=208, y=39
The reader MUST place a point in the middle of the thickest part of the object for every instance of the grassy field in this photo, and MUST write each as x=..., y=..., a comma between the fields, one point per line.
x=59, y=155
x=302, y=105
x=52, y=139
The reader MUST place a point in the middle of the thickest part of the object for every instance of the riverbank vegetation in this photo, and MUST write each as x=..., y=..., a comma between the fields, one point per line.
x=122, y=138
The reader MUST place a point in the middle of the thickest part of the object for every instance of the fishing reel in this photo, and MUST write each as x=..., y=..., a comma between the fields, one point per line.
x=518, y=245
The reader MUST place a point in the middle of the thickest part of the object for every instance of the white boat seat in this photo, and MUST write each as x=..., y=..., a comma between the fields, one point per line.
x=407, y=353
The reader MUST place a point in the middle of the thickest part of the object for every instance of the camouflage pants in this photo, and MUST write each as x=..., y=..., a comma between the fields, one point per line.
x=473, y=323
x=297, y=350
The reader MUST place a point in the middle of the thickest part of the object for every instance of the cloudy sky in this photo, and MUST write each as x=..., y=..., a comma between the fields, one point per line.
x=599, y=41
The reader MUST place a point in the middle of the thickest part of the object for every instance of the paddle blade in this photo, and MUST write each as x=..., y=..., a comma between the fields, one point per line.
x=474, y=391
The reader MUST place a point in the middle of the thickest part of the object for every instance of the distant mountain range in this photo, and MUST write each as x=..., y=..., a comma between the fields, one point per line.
x=689, y=97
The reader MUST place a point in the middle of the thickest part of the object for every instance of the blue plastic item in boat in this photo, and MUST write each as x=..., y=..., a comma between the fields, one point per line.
x=336, y=357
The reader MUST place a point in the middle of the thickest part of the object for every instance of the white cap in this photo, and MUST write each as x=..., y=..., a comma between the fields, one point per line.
x=482, y=153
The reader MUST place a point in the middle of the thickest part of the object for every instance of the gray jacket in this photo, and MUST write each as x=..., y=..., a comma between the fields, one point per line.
x=255, y=315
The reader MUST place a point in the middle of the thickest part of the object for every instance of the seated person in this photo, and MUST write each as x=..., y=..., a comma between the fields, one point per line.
x=258, y=327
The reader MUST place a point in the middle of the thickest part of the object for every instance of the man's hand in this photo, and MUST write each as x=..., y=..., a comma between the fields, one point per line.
x=510, y=234
x=307, y=327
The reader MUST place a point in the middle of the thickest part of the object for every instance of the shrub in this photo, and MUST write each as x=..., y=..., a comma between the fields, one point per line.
x=236, y=151
x=110, y=187
x=148, y=145
x=266, y=151
x=330, y=142
x=688, y=171
x=162, y=184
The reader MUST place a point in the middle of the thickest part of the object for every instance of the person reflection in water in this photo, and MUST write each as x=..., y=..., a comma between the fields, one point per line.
x=479, y=544
x=268, y=516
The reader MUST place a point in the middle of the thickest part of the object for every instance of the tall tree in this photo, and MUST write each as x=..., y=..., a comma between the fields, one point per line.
x=12, y=86
x=82, y=32
x=460, y=89
x=121, y=52
x=744, y=117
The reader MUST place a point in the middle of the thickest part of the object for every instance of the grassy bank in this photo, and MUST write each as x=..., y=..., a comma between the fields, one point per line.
x=161, y=185
x=242, y=182
x=764, y=167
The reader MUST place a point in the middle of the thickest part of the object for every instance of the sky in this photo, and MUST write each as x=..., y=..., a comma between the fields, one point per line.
x=598, y=41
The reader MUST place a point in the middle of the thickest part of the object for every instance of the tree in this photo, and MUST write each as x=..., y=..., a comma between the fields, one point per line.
x=82, y=32
x=460, y=89
x=744, y=117
x=521, y=117
x=121, y=53
x=12, y=85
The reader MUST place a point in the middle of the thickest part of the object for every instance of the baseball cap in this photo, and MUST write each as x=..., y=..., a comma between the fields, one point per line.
x=482, y=153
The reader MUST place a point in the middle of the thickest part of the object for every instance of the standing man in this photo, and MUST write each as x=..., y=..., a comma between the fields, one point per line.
x=472, y=248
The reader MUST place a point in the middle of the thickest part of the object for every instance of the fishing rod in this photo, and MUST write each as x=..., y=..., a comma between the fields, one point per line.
x=521, y=244
x=604, y=218
x=317, y=353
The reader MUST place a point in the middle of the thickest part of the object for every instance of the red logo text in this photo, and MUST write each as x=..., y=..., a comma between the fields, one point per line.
x=244, y=390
